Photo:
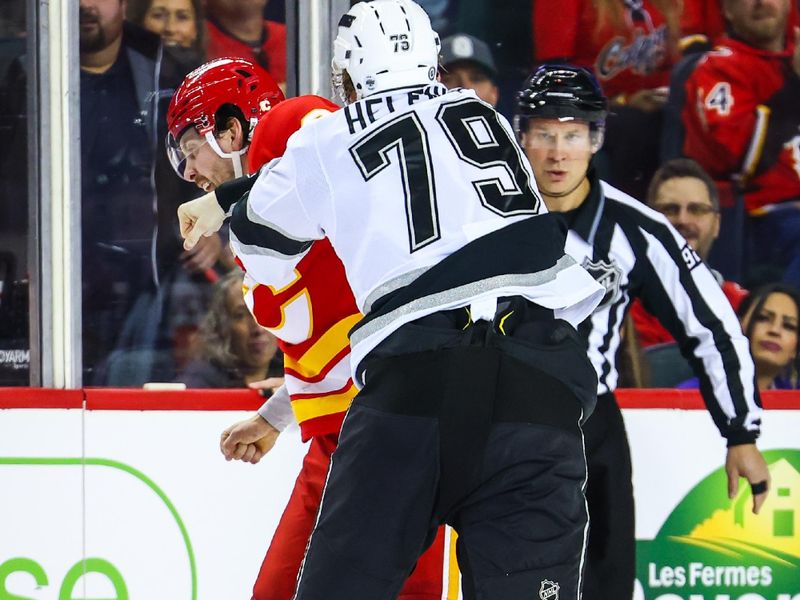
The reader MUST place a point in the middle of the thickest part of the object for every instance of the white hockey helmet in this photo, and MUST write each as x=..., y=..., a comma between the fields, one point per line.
x=383, y=45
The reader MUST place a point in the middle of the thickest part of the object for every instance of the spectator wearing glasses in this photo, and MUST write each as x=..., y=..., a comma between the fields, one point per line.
x=684, y=193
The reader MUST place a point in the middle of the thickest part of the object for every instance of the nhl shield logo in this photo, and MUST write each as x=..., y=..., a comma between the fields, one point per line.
x=607, y=274
x=548, y=590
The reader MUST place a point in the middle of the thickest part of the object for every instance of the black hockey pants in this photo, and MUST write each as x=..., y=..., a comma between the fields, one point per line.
x=477, y=434
x=611, y=554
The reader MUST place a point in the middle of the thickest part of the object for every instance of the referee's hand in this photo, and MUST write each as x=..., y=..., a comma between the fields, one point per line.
x=746, y=461
x=200, y=217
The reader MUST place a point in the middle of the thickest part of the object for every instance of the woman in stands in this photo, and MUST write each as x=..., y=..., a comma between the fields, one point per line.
x=233, y=350
x=178, y=22
x=769, y=317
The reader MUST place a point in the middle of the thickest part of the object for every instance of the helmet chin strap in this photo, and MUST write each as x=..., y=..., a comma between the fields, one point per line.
x=235, y=156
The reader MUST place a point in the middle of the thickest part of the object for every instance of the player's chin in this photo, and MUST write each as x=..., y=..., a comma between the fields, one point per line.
x=554, y=188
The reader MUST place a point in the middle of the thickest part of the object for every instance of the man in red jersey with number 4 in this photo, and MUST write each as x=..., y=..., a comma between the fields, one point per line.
x=228, y=118
x=743, y=126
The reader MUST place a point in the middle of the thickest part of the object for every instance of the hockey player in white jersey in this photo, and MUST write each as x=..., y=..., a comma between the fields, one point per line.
x=474, y=383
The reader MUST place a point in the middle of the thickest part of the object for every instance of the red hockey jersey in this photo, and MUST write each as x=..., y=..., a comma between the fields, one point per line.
x=741, y=121
x=312, y=315
x=270, y=53
x=631, y=56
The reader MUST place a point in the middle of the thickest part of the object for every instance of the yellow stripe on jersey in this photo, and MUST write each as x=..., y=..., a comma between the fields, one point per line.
x=310, y=408
x=757, y=142
x=324, y=350
x=686, y=41
x=314, y=115
x=453, y=582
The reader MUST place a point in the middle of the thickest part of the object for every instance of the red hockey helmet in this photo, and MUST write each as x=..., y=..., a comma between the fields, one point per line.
x=203, y=91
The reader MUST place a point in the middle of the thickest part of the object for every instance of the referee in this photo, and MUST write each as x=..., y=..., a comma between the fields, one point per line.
x=634, y=252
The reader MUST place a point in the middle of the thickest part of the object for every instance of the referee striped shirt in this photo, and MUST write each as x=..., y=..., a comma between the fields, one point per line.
x=633, y=251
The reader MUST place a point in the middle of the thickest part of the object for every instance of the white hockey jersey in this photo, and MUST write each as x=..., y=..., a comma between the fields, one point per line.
x=399, y=181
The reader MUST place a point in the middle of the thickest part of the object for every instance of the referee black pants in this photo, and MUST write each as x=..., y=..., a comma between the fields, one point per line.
x=611, y=555
x=476, y=434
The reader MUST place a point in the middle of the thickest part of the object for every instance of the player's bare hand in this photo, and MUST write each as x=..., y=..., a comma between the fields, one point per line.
x=200, y=217
x=204, y=255
x=248, y=440
x=746, y=461
x=270, y=384
x=796, y=56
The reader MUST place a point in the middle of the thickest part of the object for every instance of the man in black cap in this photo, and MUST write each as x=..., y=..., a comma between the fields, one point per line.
x=467, y=63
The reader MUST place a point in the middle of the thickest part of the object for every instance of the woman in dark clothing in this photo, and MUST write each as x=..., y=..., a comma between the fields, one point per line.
x=233, y=350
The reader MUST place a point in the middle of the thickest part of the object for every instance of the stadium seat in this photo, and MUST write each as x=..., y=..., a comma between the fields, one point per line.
x=665, y=365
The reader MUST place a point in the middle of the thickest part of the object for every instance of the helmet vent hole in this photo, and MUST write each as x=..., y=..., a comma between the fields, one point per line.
x=244, y=73
x=355, y=37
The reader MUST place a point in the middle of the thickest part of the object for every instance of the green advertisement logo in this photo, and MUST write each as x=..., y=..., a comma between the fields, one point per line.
x=713, y=548
x=93, y=526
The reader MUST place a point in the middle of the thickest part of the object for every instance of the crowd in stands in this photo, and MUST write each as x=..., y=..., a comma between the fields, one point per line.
x=704, y=128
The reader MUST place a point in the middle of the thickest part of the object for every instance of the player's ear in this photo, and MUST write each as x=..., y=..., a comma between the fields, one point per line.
x=231, y=138
x=237, y=134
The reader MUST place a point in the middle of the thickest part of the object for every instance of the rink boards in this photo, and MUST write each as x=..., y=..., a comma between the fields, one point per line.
x=134, y=483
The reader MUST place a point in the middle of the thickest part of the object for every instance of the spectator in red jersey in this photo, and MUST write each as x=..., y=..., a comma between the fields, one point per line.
x=742, y=121
x=466, y=62
x=684, y=193
x=631, y=46
x=237, y=28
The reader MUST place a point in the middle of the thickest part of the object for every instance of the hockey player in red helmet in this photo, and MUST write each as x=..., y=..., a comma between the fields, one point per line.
x=214, y=112
x=207, y=145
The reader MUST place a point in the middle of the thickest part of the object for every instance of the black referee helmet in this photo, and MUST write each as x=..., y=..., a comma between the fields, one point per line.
x=562, y=92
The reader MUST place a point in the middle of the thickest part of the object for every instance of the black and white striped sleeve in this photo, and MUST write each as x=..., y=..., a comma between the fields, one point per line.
x=678, y=288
